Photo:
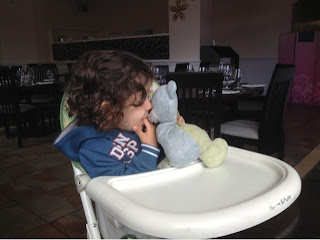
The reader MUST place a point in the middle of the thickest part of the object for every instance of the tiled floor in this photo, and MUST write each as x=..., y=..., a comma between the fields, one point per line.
x=38, y=197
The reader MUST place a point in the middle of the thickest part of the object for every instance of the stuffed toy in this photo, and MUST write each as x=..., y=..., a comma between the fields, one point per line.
x=182, y=143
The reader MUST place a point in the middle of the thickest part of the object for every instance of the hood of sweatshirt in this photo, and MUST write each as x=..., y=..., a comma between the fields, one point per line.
x=71, y=138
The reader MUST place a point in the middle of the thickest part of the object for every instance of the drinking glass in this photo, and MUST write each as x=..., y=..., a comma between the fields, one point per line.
x=202, y=69
x=22, y=77
x=18, y=73
x=31, y=75
x=190, y=68
x=27, y=79
x=159, y=76
x=227, y=72
x=50, y=74
x=221, y=67
x=200, y=91
x=239, y=77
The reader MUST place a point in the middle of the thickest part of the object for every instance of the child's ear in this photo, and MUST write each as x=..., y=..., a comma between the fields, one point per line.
x=106, y=106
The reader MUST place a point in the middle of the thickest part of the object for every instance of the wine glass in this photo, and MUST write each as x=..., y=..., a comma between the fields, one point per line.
x=227, y=72
x=50, y=74
x=158, y=75
x=31, y=75
x=19, y=73
x=239, y=77
x=202, y=69
x=190, y=68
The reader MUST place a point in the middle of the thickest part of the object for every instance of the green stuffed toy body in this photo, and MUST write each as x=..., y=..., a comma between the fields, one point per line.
x=182, y=143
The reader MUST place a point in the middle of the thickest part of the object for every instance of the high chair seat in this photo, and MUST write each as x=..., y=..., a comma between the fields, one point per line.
x=198, y=202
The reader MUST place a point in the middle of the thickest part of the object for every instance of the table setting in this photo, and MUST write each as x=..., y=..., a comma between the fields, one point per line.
x=233, y=83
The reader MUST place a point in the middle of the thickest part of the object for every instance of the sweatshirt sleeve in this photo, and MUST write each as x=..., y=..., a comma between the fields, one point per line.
x=96, y=160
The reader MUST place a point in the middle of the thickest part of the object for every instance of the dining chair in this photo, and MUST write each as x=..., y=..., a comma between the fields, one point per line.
x=14, y=113
x=267, y=133
x=199, y=98
x=251, y=107
x=46, y=97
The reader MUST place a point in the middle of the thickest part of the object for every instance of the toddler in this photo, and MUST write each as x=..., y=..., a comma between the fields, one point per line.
x=111, y=135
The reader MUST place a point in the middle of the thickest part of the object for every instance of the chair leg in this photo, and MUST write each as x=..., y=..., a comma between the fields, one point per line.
x=43, y=124
x=281, y=151
x=7, y=130
x=50, y=117
x=32, y=126
x=233, y=142
x=19, y=126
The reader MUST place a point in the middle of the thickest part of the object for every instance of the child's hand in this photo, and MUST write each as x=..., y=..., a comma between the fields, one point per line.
x=149, y=135
x=180, y=119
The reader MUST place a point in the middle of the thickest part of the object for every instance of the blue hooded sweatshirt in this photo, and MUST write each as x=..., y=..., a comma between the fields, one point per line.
x=109, y=153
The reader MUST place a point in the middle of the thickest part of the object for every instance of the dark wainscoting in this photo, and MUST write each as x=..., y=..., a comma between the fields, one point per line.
x=153, y=47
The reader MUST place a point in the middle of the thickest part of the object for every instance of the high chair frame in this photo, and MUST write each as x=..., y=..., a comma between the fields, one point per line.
x=81, y=179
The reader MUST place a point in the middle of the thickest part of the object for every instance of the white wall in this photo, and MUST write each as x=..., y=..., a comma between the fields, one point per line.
x=251, y=27
x=206, y=22
x=25, y=25
x=184, y=38
x=17, y=32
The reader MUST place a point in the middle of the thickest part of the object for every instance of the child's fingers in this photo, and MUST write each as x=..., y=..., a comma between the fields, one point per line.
x=148, y=124
x=149, y=135
x=138, y=131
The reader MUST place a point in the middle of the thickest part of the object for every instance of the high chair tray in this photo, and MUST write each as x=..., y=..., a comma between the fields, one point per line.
x=198, y=202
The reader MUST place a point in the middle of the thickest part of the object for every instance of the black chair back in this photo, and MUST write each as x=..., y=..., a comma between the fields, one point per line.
x=12, y=112
x=9, y=101
x=199, y=96
x=9, y=96
x=271, y=131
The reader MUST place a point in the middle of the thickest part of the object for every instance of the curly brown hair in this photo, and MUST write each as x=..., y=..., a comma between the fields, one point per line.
x=109, y=77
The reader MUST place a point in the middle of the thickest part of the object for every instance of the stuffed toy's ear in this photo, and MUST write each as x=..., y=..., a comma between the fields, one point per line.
x=171, y=88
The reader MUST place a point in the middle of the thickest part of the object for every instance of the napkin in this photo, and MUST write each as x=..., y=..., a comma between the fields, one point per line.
x=253, y=85
x=42, y=83
x=230, y=91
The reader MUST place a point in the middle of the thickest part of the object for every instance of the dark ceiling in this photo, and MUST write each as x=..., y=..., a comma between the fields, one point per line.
x=306, y=16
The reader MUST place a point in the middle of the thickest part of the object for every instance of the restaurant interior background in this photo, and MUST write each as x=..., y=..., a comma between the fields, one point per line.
x=252, y=28
x=39, y=198
x=28, y=28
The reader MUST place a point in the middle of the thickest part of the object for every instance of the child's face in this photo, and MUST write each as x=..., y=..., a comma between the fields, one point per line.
x=133, y=116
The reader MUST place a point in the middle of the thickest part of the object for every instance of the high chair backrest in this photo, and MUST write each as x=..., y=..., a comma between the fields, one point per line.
x=81, y=179
x=80, y=176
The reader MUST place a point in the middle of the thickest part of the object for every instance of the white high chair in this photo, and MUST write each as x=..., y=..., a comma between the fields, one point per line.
x=191, y=202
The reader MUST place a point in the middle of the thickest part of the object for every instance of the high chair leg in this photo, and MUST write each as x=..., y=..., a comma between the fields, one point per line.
x=92, y=223
x=81, y=181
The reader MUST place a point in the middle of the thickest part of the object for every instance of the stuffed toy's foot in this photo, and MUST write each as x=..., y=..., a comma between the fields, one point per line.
x=215, y=154
x=165, y=163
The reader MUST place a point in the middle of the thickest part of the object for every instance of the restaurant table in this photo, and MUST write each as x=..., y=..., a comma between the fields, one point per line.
x=54, y=89
x=198, y=107
x=300, y=221
x=232, y=99
x=46, y=96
